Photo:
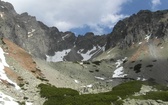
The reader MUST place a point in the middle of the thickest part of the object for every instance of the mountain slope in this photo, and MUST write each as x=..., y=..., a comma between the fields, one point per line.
x=46, y=42
x=136, y=49
x=142, y=38
x=19, y=76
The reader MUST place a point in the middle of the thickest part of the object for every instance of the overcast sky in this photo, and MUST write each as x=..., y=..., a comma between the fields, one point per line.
x=81, y=16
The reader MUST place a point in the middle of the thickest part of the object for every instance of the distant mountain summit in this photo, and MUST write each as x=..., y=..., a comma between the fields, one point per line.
x=135, y=28
x=47, y=42
x=136, y=50
x=52, y=45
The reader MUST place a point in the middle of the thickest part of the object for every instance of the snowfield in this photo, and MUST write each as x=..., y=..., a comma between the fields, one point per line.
x=7, y=100
x=3, y=64
x=119, y=69
x=88, y=55
x=58, y=56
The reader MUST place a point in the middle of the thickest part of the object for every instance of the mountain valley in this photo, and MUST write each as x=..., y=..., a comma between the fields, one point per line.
x=42, y=66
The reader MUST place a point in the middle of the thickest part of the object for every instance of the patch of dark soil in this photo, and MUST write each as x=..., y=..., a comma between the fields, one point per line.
x=111, y=60
x=159, y=44
x=125, y=61
x=97, y=70
x=91, y=71
x=137, y=68
x=133, y=62
x=130, y=67
x=154, y=60
x=149, y=66
x=86, y=62
x=96, y=62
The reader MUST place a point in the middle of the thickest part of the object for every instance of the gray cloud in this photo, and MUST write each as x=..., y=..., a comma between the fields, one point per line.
x=69, y=14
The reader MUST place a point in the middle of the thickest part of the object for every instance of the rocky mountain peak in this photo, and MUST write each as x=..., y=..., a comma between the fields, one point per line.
x=42, y=41
x=136, y=51
x=136, y=27
x=7, y=7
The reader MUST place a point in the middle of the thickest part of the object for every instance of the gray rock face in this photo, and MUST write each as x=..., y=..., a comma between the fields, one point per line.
x=49, y=43
x=41, y=40
x=137, y=26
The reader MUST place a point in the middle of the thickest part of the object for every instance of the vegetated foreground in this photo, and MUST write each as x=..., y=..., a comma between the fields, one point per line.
x=117, y=96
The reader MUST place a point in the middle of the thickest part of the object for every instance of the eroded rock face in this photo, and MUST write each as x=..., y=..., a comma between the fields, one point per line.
x=48, y=42
x=137, y=26
x=41, y=40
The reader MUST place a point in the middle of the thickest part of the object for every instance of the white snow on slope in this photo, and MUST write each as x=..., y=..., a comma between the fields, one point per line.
x=2, y=15
x=140, y=42
x=58, y=56
x=89, y=53
x=147, y=37
x=119, y=69
x=76, y=81
x=33, y=30
x=88, y=86
x=100, y=78
x=2, y=7
x=7, y=100
x=119, y=72
x=119, y=62
x=3, y=75
x=67, y=35
x=30, y=34
x=142, y=79
x=29, y=103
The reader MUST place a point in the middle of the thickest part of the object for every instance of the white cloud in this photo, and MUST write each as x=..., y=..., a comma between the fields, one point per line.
x=155, y=3
x=70, y=14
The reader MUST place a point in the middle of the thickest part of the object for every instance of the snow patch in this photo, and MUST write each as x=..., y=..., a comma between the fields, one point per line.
x=81, y=63
x=140, y=42
x=18, y=26
x=67, y=35
x=138, y=78
x=30, y=34
x=108, y=52
x=7, y=100
x=80, y=50
x=142, y=79
x=88, y=86
x=3, y=75
x=2, y=14
x=76, y=81
x=119, y=73
x=86, y=56
x=147, y=37
x=59, y=56
x=119, y=69
x=100, y=78
x=29, y=103
x=119, y=62
x=2, y=7
x=161, y=47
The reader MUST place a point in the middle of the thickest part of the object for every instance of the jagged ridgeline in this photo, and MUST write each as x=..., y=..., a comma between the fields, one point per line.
x=41, y=40
x=135, y=28
x=134, y=53
x=48, y=42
